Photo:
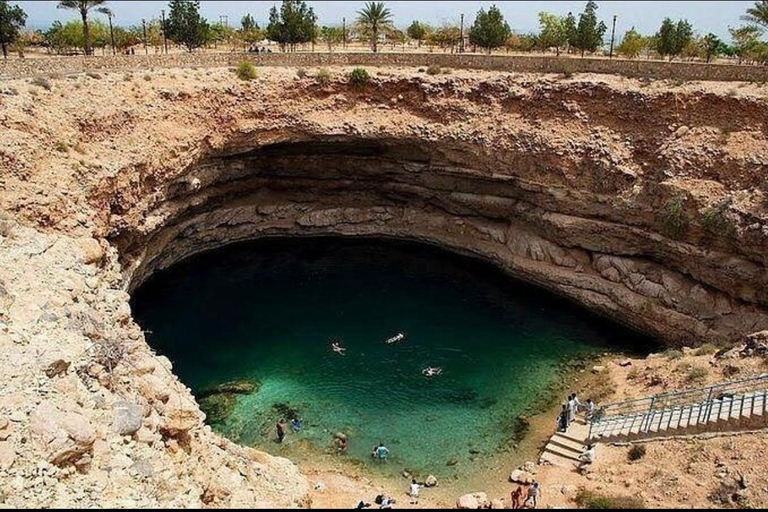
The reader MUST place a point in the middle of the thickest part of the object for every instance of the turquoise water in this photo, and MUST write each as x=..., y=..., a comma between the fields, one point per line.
x=269, y=310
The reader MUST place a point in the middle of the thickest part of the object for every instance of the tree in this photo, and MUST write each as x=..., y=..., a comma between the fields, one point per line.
x=418, y=32
x=12, y=19
x=332, y=36
x=185, y=25
x=632, y=45
x=489, y=31
x=447, y=36
x=84, y=8
x=293, y=24
x=248, y=23
x=521, y=43
x=554, y=31
x=712, y=46
x=372, y=19
x=589, y=32
x=758, y=14
x=571, y=30
x=108, y=12
x=673, y=38
x=747, y=45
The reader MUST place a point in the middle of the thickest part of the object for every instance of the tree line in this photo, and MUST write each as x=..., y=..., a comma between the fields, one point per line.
x=294, y=24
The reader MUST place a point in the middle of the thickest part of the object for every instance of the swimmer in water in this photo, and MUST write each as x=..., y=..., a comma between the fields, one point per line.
x=338, y=348
x=432, y=372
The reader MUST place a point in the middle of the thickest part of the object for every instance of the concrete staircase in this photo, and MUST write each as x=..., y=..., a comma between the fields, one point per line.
x=563, y=449
x=741, y=405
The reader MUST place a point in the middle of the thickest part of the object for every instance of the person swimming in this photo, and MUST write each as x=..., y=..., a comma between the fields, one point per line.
x=399, y=337
x=336, y=346
x=432, y=372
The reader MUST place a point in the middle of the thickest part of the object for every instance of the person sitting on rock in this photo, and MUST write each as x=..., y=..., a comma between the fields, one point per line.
x=587, y=459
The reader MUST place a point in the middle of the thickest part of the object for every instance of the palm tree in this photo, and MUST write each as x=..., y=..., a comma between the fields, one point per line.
x=83, y=7
x=373, y=18
x=108, y=12
x=758, y=14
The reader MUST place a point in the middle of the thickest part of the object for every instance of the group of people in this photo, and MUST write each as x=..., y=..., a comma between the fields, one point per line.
x=255, y=49
x=520, y=498
x=571, y=408
x=428, y=372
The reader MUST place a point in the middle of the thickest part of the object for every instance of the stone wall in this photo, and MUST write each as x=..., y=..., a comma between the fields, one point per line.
x=22, y=68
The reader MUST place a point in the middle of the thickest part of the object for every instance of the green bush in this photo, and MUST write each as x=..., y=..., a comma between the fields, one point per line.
x=302, y=73
x=359, y=77
x=434, y=69
x=636, y=453
x=715, y=219
x=672, y=220
x=730, y=371
x=697, y=376
x=707, y=349
x=323, y=77
x=594, y=501
x=673, y=354
x=246, y=71
x=62, y=147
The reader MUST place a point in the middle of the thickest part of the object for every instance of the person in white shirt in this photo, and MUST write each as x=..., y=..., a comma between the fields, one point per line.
x=414, y=493
x=587, y=458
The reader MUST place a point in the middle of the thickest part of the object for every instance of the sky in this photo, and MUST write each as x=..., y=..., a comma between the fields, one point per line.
x=646, y=16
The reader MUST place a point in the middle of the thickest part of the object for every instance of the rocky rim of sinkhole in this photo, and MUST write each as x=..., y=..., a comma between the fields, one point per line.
x=641, y=201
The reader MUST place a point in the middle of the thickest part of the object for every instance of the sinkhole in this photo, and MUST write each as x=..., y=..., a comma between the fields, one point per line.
x=249, y=329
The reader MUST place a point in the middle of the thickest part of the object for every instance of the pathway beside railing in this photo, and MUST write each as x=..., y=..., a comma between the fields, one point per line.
x=721, y=407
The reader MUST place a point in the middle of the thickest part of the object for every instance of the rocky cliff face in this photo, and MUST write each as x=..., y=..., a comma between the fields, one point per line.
x=643, y=202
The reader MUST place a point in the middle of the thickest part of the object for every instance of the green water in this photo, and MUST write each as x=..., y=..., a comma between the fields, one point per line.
x=268, y=310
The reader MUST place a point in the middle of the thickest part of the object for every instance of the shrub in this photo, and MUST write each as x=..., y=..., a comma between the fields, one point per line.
x=672, y=218
x=707, y=349
x=93, y=75
x=246, y=71
x=147, y=78
x=323, y=77
x=636, y=453
x=43, y=82
x=62, y=147
x=730, y=371
x=593, y=500
x=434, y=69
x=697, y=375
x=673, y=354
x=715, y=218
x=109, y=353
x=302, y=73
x=359, y=77
x=633, y=374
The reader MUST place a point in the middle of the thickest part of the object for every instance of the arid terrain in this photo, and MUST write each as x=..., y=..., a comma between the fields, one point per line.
x=641, y=200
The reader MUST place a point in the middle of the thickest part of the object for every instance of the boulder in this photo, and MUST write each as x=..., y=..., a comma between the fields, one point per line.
x=521, y=477
x=7, y=456
x=65, y=437
x=476, y=501
x=180, y=416
x=127, y=418
x=431, y=481
x=218, y=408
x=529, y=467
x=498, y=504
x=91, y=251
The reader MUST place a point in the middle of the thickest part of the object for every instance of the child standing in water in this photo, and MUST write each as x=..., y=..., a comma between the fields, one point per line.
x=280, y=428
x=382, y=452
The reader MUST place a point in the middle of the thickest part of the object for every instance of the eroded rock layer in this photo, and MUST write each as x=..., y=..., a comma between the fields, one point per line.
x=644, y=202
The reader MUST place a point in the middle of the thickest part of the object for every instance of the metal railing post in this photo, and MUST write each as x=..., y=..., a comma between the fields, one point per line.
x=647, y=422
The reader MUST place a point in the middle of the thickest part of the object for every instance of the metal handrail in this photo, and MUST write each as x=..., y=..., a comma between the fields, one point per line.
x=704, y=398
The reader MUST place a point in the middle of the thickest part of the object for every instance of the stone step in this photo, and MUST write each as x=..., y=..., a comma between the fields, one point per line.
x=561, y=452
x=567, y=443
